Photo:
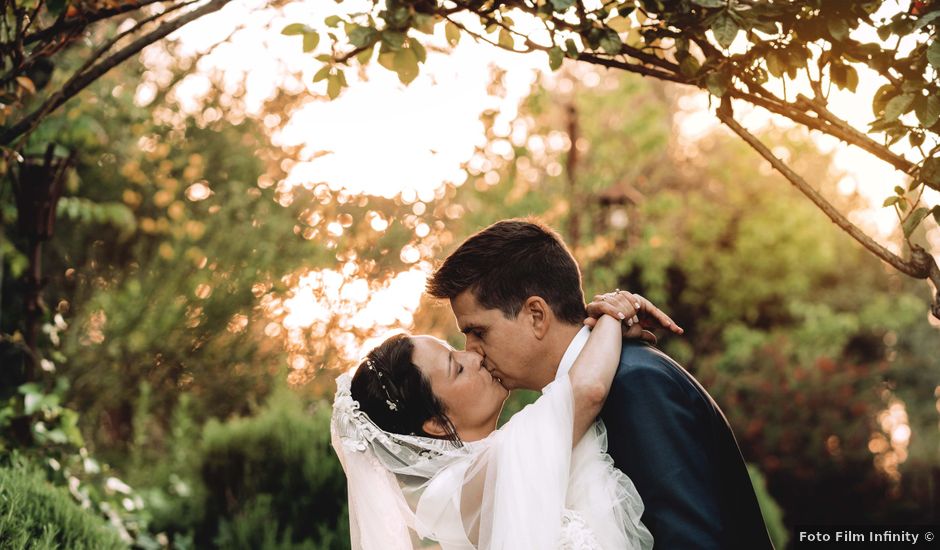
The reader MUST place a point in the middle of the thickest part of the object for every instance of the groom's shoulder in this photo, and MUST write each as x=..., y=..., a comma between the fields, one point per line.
x=642, y=356
x=643, y=363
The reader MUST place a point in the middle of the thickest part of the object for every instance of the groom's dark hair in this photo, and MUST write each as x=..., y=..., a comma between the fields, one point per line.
x=509, y=261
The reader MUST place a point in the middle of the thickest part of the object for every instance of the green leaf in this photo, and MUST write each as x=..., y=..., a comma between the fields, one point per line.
x=717, y=84
x=925, y=20
x=851, y=81
x=32, y=403
x=424, y=23
x=322, y=73
x=29, y=387
x=311, y=40
x=765, y=26
x=562, y=5
x=844, y=76
x=57, y=436
x=452, y=32
x=891, y=201
x=418, y=47
x=333, y=86
x=393, y=39
x=927, y=110
x=56, y=7
x=710, y=3
x=725, y=29
x=936, y=213
x=899, y=190
x=295, y=29
x=880, y=101
x=611, y=43
x=571, y=48
x=362, y=36
x=406, y=65
x=884, y=32
x=838, y=28
x=505, y=39
x=555, y=56
x=365, y=55
x=912, y=221
x=898, y=106
x=689, y=65
x=333, y=21
x=774, y=65
x=933, y=53
x=387, y=60
x=930, y=172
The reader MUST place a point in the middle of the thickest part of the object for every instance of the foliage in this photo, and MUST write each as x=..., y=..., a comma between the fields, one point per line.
x=773, y=515
x=34, y=514
x=37, y=427
x=33, y=33
x=272, y=480
x=730, y=49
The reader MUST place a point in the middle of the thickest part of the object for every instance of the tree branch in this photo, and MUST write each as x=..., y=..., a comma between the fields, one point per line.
x=80, y=81
x=923, y=265
x=41, y=52
x=633, y=68
x=64, y=26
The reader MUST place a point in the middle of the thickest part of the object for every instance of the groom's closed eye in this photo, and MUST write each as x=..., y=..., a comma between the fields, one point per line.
x=474, y=331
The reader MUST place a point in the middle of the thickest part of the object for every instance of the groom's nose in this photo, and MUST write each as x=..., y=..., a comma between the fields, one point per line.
x=473, y=344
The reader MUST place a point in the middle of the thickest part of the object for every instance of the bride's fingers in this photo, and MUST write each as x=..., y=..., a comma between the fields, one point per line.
x=625, y=309
x=614, y=306
x=648, y=308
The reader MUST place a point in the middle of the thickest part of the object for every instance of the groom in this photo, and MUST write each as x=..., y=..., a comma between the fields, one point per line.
x=516, y=292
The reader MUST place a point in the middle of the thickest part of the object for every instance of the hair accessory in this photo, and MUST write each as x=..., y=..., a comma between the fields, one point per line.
x=392, y=403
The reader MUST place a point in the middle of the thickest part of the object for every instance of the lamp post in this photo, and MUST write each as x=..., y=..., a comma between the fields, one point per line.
x=37, y=186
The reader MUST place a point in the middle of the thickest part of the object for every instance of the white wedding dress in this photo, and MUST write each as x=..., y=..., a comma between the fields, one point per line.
x=522, y=487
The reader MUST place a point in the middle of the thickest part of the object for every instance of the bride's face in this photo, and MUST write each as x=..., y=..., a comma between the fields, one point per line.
x=471, y=396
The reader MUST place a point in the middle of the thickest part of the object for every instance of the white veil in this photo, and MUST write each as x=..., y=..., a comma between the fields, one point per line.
x=509, y=491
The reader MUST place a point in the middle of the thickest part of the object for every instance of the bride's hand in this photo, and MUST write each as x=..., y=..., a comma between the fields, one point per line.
x=636, y=313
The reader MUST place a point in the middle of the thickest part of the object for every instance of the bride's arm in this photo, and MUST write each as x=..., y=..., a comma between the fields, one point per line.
x=592, y=373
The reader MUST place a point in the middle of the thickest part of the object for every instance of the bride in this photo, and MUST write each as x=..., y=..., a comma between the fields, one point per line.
x=415, y=430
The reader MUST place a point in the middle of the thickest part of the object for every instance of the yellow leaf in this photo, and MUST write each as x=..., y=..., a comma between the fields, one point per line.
x=452, y=32
x=620, y=24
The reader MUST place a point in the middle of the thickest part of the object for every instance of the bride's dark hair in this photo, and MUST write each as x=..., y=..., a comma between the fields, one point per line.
x=394, y=392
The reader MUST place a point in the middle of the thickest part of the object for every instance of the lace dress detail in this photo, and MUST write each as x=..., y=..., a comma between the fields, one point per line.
x=575, y=533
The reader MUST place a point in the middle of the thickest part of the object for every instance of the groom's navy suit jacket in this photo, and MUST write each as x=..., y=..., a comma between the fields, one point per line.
x=671, y=438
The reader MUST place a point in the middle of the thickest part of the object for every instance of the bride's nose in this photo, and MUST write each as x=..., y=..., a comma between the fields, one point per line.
x=474, y=359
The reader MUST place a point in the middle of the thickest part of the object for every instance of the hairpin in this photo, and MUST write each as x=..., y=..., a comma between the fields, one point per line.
x=392, y=403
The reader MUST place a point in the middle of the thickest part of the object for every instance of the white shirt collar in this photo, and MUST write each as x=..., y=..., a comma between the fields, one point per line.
x=574, y=349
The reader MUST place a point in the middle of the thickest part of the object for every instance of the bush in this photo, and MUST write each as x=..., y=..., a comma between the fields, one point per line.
x=773, y=515
x=34, y=514
x=273, y=481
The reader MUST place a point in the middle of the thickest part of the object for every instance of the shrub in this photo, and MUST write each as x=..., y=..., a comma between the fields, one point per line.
x=36, y=515
x=273, y=481
x=773, y=515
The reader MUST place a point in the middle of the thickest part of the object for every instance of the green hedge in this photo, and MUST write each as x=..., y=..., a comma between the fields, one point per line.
x=272, y=481
x=36, y=515
x=773, y=515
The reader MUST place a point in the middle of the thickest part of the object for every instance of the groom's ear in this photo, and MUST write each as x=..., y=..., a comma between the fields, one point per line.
x=538, y=314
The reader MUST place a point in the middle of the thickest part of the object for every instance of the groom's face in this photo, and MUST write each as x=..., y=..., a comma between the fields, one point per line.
x=507, y=345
